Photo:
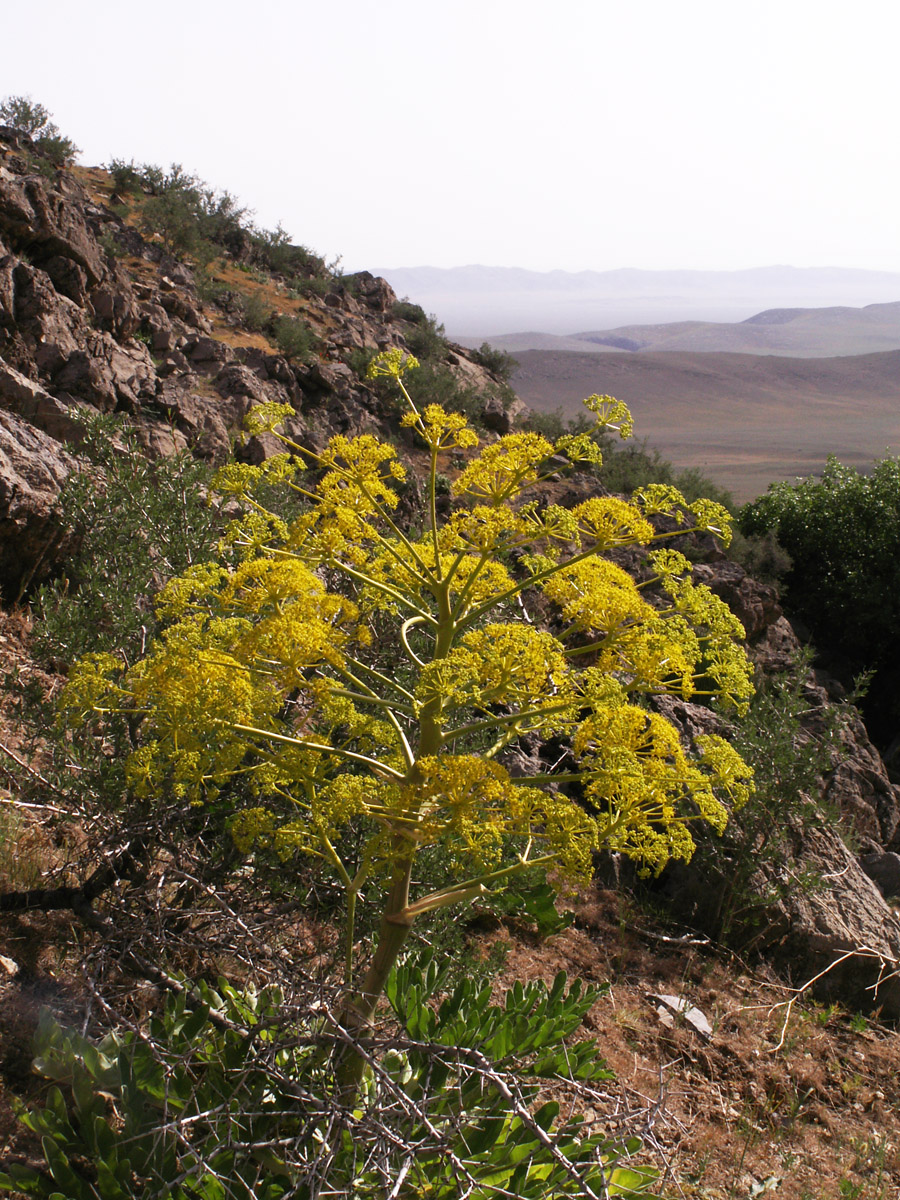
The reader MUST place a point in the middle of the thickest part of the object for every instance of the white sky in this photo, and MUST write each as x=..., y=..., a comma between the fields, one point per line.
x=572, y=134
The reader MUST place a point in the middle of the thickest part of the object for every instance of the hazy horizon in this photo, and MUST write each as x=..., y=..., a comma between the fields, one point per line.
x=481, y=301
x=586, y=136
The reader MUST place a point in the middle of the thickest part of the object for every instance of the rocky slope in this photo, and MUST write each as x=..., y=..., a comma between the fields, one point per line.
x=93, y=315
x=96, y=316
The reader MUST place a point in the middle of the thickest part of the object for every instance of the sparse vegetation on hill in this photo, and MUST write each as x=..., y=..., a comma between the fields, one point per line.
x=27, y=116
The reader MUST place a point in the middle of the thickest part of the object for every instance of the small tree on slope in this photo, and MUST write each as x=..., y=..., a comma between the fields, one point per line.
x=346, y=673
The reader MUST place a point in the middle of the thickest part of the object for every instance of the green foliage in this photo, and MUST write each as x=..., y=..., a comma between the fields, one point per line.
x=138, y=522
x=426, y=340
x=110, y=244
x=842, y=533
x=27, y=116
x=436, y=384
x=550, y=425
x=228, y=1095
x=294, y=338
x=126, y=176
x=405, y=310
x=275, y=249
x=256, y=312
x=498, y=362
x=762, y=556
x=791, y=747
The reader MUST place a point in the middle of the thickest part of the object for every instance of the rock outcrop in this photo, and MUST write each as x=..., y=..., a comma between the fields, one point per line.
x=96, y=317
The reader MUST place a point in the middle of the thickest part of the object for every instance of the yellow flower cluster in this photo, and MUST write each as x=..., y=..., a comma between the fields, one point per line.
x=268, y=671
x=500, y=664
x=611, y=414
x=474, y=807
x=393, y=363
x=441, y=430
x=503, y=469
x=639, y=779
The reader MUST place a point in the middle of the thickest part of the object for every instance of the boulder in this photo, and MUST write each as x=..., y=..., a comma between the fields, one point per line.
x=33, y=468
x=48, y=221
x=372, y=291
x=754, y=604
x=843, y=930
x=883, y=868
x=29, y=401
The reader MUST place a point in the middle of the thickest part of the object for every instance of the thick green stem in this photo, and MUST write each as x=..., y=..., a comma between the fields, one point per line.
x=397, y=919
x=359, y=1008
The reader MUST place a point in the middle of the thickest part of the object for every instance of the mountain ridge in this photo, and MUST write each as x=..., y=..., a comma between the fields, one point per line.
x=474, y=299
x=795, y=332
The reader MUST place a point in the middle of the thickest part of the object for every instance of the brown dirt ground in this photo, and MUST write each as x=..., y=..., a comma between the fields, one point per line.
x=802, y=1102
x=745, y=420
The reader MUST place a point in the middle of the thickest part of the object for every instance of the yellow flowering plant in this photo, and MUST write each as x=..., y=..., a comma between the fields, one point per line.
x=347, y=671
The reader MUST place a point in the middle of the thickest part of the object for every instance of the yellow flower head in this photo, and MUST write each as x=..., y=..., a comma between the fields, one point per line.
x=393, y=363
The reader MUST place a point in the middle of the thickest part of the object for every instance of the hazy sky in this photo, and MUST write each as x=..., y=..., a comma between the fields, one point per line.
x=573, y=134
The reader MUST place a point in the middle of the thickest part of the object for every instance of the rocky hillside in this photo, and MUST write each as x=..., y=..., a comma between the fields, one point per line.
x=101, y=312
x=95, y=314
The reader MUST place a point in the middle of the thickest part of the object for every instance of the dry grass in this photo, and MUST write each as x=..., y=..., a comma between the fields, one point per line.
x=744, y=420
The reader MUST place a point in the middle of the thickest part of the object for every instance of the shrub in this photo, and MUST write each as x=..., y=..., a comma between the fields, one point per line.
x=364, y=723
x=228, y=1095
x=137, y=523
x=126, y=176
x=294, y=338
x=405, y=310
x=791, y=747
x=498, y=362
x=426, y=340
x=27, y=116
x=256, y=312
x=275, y=249
x=842, y=533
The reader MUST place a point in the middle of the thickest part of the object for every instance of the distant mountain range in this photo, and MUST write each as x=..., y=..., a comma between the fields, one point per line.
x=794, y=332
x=478, y=302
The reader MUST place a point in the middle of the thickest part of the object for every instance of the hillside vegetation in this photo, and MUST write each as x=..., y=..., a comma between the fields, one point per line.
x=392, y=809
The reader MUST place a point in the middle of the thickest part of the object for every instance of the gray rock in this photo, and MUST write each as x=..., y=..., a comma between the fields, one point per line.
x=883, y=868
x=33, y=468
x=754, y=604
x=844, y=931
x=29, y=401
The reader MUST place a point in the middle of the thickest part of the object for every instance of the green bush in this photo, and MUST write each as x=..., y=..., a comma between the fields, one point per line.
x=426, y=340
x=27, y=116
x=228, y=1095
x=275, y=249
x=126, y=176
x=791, y=747
x=842, y=533
x=405, y=310
x=294, y=338
x=498, y=362
x=137, y=522
x=256, y=312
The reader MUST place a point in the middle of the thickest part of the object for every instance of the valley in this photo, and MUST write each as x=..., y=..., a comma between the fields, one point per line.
x=744, y=420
